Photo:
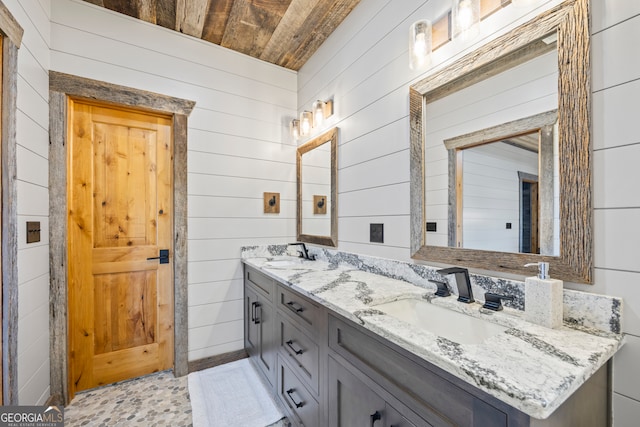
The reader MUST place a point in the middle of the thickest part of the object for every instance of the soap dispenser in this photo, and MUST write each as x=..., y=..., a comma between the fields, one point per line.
x=543, y=298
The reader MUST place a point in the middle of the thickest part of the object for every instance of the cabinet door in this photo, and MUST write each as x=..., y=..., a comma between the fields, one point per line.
x=260, y=337
x=351, y=402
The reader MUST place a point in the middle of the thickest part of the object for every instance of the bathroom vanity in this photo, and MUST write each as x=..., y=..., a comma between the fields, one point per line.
x=332, y=339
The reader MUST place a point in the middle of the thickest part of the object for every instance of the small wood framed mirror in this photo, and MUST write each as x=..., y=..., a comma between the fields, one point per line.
x=317, y=173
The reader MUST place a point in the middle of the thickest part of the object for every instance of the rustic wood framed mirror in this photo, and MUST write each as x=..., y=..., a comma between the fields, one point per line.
x=317, y=174
x=566, y=27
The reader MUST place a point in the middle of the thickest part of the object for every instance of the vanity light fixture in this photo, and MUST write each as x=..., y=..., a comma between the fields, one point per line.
x=419, y=44
x=294, y=128
x=306, y=122
x=465, y=17
x=320, y=111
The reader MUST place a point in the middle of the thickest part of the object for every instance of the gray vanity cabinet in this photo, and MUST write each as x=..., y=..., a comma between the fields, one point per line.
x=354, y=403
x=328, y=370
x=260, y=322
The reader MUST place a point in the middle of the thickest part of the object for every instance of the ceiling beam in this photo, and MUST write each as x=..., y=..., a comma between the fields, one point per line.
x=166, y=13
x=251, y=24
x=190, y=16
x=322, y=28
x=291, y=28
x=216, y=20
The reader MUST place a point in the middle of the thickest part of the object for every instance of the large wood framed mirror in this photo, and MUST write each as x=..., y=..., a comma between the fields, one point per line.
x=317, y=170
x=527, y=91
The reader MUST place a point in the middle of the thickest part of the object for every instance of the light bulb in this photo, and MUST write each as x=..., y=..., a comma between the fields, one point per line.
x=419, y=44
x=294, y=128
x=318, y=113
x=306, y=122
x=466, y=18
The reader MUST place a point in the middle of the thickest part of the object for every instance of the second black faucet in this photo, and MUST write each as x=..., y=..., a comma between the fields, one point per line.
x=465, y=294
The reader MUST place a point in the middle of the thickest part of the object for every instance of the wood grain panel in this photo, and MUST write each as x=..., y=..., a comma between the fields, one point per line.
x=166, y=13
x=216, y=20
x=251, y=24
x=133, y=294
x=190, y=16
x=323, y=20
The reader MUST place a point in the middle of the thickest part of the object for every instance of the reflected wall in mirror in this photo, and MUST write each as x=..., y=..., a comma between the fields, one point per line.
x=317, y=190
x=488, y=96
x=504, y=188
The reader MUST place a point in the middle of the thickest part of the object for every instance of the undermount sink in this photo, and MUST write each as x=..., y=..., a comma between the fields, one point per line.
x=282, y=263
x=454, y=326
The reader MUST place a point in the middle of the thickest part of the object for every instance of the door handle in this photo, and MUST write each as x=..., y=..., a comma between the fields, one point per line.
x=164, y=256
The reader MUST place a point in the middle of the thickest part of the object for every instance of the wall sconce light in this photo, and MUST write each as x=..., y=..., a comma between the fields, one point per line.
x=294, y=128
x=465, y=17
x=306, y=122
x=419, y=44
x=321, y=111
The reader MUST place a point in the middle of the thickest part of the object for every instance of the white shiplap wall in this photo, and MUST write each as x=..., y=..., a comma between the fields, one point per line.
x=238, y=146
x=32, y=135
x=616, y=154
x=364, y=67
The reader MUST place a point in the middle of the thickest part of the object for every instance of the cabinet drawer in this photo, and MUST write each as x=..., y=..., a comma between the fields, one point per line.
x=437, y=400
x=299, y=308
x=262, y=283
x=301, y=351
x=301, y=404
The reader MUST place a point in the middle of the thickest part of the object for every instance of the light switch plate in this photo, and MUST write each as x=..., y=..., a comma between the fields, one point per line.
x=376, y=233
x=33, y=231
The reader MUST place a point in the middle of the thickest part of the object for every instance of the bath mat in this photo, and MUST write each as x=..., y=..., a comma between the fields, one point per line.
x=232, y=394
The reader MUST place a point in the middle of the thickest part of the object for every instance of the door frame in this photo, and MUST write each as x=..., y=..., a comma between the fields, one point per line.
x=12, y=37
x=61, y=87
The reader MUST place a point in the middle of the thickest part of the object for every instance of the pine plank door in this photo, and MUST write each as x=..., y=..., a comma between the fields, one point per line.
x=120, y=204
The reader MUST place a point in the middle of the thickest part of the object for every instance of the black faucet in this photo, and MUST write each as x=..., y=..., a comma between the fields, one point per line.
x=304, y=253
x=465, y=294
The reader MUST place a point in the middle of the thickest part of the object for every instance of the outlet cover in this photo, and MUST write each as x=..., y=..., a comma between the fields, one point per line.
x=376, y=233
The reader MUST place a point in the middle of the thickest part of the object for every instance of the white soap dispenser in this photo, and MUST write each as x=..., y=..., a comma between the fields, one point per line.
x=543, y=302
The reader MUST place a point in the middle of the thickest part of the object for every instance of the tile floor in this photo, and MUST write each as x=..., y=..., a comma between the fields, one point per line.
x=154, y=400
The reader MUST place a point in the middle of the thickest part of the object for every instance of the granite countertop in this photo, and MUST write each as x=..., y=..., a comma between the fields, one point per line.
x=529, y=367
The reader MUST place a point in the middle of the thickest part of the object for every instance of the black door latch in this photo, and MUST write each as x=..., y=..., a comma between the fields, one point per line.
x=164, y=256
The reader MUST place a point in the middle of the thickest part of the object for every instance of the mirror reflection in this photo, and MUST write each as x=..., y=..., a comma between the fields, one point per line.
x=491, y=178
x=463, y=101
x=317, y=190
x=505, y=194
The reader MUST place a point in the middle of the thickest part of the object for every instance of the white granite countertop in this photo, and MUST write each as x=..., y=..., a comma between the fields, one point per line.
x=529, y=367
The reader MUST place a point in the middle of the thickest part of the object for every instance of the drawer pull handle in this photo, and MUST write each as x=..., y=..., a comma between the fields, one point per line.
x=290, y=345
x=298, y=404
x=298, y=309
x=254, y=313
x=375, y=417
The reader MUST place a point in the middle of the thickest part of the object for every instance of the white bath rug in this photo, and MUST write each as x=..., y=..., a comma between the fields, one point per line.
x=232, y=394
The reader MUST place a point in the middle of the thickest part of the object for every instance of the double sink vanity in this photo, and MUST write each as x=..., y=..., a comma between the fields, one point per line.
x=500, y=177
x=350, y=340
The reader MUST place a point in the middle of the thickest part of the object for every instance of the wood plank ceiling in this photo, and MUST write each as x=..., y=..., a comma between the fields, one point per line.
x=283, y=32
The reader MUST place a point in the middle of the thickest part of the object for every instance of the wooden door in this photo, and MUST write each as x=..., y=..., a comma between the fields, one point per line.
x=120, y=203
